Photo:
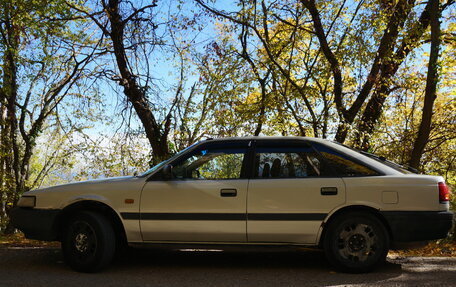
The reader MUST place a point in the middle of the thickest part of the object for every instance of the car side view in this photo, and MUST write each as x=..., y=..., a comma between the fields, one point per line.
x=245, y=191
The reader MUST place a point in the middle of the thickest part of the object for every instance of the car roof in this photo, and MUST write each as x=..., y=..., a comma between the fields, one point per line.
x=271, y=138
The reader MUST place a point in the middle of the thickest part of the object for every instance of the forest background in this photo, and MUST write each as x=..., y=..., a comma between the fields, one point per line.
x=99, y=88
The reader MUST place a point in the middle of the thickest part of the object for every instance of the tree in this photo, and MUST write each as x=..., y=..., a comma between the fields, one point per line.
x=399, y=13
x=390, y=67
x=392, y=34
x=287, y=51
x=36, y=49
x=129, y=30
x=431, y=86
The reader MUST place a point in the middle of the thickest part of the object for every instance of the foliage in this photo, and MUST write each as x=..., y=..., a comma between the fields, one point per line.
x=44, y=53
x=18, y=240
x=110, y=155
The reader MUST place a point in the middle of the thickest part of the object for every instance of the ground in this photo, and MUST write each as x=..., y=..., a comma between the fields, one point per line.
x=31, y=264
x=446, y=248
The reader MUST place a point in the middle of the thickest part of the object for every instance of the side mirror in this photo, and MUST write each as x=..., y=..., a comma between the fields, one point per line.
x=167, y=172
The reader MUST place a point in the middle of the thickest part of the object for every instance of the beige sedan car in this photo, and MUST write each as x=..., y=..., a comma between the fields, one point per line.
x=246, y=191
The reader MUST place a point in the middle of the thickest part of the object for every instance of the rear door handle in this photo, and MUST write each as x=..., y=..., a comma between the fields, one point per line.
x=328, y=190
x=228, y=192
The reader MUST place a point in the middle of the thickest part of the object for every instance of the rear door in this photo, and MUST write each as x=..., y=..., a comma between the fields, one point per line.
x=290, y=193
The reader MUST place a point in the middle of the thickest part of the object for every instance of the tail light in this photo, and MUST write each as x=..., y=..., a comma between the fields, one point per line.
x=444, y=192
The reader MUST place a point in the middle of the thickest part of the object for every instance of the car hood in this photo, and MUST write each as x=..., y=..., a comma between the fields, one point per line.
x=83, y=184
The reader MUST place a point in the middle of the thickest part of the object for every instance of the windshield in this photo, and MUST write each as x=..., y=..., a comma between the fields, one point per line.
x=161, y=164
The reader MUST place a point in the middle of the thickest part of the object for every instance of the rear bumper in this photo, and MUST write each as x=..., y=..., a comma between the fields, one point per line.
x=407, y=226
x=37, y=224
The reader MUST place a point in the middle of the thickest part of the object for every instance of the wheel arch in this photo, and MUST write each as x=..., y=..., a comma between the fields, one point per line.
x=353, y=208
x=95, y=206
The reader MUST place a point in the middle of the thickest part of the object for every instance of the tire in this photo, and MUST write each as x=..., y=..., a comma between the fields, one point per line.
x=89, y=242
x=356, y=242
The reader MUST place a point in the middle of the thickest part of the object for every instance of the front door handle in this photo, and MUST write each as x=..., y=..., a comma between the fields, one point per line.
x=328, y=191
x=228, y=192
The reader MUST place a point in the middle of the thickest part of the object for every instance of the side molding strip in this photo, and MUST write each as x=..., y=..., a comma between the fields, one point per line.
x=287, y=216
x=225, y=216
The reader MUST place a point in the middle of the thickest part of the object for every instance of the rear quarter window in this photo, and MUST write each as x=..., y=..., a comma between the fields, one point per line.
x=344, y=165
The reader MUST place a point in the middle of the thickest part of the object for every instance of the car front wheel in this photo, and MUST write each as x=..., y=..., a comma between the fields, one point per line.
x=356, y=242
x=88, y=242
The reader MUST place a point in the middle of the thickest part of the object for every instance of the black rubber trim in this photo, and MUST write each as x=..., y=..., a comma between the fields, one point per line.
x=37, y=224
x=130, y=215
x=192, y=216
x=287, y=216
x=225, y=216
x=182, y=216
x=408, y=226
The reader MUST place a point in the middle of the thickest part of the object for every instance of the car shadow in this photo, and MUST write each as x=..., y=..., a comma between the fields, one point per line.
x=199, y=267
x=276, y=266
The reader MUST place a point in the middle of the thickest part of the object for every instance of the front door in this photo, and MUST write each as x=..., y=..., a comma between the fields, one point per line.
x=290, y=193
x=205, y=201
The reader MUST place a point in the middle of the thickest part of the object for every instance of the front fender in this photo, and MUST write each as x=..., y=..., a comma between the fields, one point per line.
x=86, y=197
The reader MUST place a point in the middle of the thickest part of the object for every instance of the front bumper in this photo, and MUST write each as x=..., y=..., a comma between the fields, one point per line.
x=407, y=226
x=40, y=224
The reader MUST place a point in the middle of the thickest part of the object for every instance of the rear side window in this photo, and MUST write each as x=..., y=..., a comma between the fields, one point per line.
x=287, y=162
x=342, y=164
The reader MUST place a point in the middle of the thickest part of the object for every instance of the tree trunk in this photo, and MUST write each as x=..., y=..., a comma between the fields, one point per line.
x=9, y=91
x=4, y=153
x=157, y=137
x=385, y=50
x=261, y=116
x=431, y=87
x=374, y=108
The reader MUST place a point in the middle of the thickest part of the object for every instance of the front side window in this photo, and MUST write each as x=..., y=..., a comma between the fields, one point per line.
x=211, y=163
x=163, y=163
x=287, y=162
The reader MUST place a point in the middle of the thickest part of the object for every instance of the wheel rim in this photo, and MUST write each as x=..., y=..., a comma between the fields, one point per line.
x=357, y=242
x=84, y=240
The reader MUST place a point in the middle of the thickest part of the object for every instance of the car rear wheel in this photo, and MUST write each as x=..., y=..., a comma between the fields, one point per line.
x=356, y=242
x=89, y=242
